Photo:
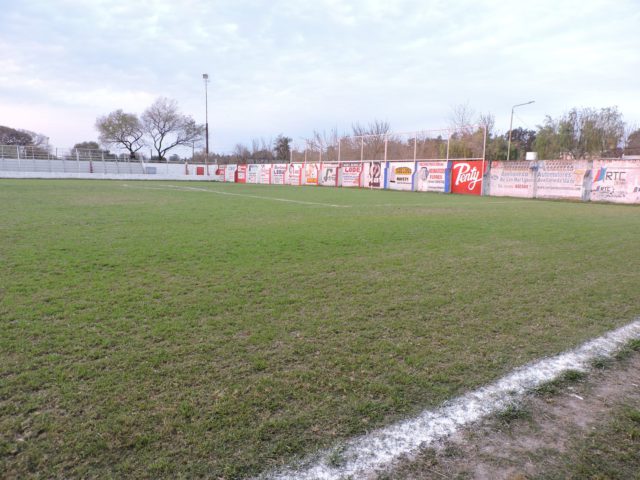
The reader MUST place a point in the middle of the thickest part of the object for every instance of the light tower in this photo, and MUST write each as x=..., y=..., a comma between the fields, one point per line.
x=205, y=77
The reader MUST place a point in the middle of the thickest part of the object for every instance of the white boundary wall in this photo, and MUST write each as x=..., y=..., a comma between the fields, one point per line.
x=602, y=180
x=100, y=176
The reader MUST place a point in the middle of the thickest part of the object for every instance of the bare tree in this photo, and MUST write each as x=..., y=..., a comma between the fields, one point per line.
x=241, y=153
x=372, y=138
x=120, y=129
x=488, y=121
x=321, y=146
x=261, y=151
x=167, y=128
x=462, y=117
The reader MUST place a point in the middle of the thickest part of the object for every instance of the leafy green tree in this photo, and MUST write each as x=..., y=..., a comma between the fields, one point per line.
x=87, y=146
x=581, y=134
x=11, y=136
x=522, y=141
x=282, y=148
x=632, y=145
x=120, y=129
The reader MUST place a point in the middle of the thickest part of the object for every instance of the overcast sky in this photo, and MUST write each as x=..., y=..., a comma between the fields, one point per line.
x=294, y=66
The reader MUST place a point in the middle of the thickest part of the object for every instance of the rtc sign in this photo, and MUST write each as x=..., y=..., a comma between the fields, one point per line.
x=466, y=177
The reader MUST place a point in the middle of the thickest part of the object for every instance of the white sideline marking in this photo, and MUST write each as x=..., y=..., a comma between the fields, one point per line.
x=363, y=455
x=208, y=190
x=302, y=202
x=442, y=204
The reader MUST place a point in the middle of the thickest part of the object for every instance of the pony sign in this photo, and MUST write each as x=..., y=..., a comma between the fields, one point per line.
x=466, y=177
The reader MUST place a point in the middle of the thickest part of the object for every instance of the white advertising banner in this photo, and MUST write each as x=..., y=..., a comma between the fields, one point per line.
x=431, y=176
x=279, y=173
x=265, y=173
x=349, y=174
x=230, y=173
x=616, y=181
x=374, y=175
x=311, y=171
x=295, y=173
x=561, y=178
x=329, y=174
x=512, y=179
x=253, y=173
x=401, y=175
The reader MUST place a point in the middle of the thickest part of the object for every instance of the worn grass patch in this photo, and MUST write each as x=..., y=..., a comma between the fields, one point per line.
x=611, y=451
x=554, y=386
x=165, y=333
x=512, y=413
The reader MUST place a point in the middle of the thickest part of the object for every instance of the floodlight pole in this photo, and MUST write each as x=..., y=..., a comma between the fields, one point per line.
x=205, y=77
x=511, y=126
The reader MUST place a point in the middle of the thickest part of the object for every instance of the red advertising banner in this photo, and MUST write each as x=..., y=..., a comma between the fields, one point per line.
x=466, y=177
x=241, y=174
x=218, y=173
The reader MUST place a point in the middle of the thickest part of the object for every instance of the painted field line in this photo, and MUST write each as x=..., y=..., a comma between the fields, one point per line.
x=441, y=204
x=363, y=455
x=259, y=197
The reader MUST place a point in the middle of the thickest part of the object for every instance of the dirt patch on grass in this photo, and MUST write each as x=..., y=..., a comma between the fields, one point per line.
x=545, y=436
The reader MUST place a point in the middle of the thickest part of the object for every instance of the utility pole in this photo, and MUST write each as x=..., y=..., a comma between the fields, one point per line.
x=511, y=126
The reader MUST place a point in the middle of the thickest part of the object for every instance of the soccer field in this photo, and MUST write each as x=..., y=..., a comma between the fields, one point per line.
x=157, y=329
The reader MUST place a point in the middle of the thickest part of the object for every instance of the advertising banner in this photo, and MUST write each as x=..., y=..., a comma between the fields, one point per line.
x=401, y=175
x=512, y=179
x=431, y=176
x=311, y=171
x=561, y=178
x=616, y=181
x=349, y=174
x=295, y=173
x=374, y=175
x=217, y=172
x=329, y=174
x=241, y=174
x=265, y=173
x=253, y=173
x=466, y=177
x=230, y=173
x=279, y=173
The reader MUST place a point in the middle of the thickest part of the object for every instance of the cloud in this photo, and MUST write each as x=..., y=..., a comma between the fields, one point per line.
x=291, y=66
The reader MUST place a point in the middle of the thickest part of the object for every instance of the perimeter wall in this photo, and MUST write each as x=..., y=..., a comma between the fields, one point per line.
x=601, y=180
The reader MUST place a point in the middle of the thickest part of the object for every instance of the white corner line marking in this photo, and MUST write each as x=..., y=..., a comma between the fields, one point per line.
x=363, y=455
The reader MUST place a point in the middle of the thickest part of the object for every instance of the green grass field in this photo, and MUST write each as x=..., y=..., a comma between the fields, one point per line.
x=154, y=331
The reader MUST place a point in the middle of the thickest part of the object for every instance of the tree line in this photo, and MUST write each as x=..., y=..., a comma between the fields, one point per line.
x=579, y=133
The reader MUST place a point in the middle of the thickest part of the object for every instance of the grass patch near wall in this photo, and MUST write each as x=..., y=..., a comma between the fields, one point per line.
x=154, y=331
